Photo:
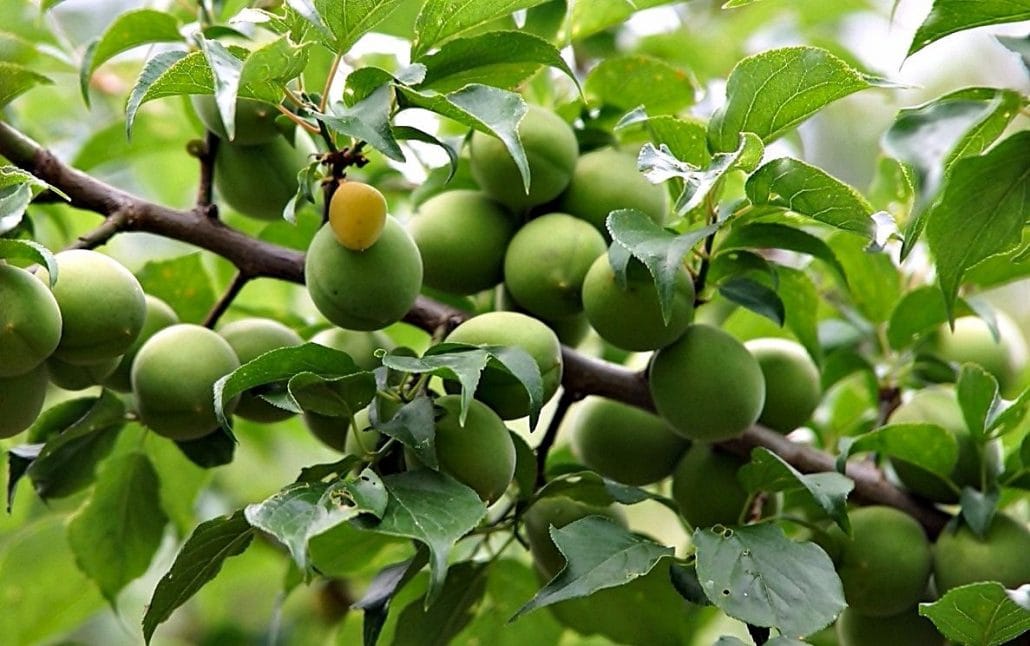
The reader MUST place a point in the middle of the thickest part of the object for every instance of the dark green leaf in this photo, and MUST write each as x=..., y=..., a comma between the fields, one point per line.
x=349, y=20
x=510, y=583
x=523, y=367
x=18, y=460
x=684, y=579
x=414, y=426
x=199, y=561
x=801, y=305
x=432, y=508
x=368, y=120
x=755, y=296
x=381, y=591
x=773, y=91
x=213, y=450
x=978, y=509
x=625, y=82
x=408, y=133
x=981, y=211
x=597, y=491
x=464, y=365
x=771, y=235
x=332, y=396
x=759, y=576
x=499, y=58
x=985, y=614
x=12, y=249
x=927, y=446
x=442, y=20
x=769, y=472
x=15, y=79
x=115, y=535
x=950, y=16
x=453, y=610
x=183, y=283
x=977, y=392
x=598, y=554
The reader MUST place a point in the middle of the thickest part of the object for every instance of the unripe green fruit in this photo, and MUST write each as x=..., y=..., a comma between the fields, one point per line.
x=337, y=433
x=905, y=629
x=159, y=316
x=547, y=261
x=364, y=290
x=558, y=511
x=705, y=487
x=70, y=376
x=461, y=236
x=625, y=443
x=707, y=385
x=972, y=342
x=792, y=389
x=631, y=318
x=255, y=120
x=1003, y=555
x=102, y=306
x=361, y=346
x=258, y=181
x=21, y=400
x=173, y=378
x=572, y=330
x=551, y=151
x=885, y=565
x=500, y=390
x=251, y=338
x=938, y=406
x=606, y=180
x=30, y=321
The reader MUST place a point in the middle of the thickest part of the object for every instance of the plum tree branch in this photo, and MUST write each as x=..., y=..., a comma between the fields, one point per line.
x=583, y=375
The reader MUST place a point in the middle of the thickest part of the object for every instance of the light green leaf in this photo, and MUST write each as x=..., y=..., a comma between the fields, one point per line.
x=128, y=31
x=442, y=20
x=918, y=312
x=686, y=139
x=15, y=79
x=115, y=535
x=349, y=20
x=12, y=249
x=593, y=16
x=809, y=191
x=771, y=235
x=981, y=211
x=927, y=446
x=267, y=68
x=625, y=82
x=462, y=364
x=599, y=554
x=950, y=16
x=984, y=614
x=368, y=120
x=225, y=73
x=977, y=393
x=801, y=308
x=183, y=283
x=773, y=91
x=874, y=282
x=414, y=426
x=759, y=576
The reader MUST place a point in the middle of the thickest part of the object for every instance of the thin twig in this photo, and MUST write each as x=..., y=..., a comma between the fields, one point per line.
x=231, y=292
x=206, y=154
x=567, y=399
x=100, y=235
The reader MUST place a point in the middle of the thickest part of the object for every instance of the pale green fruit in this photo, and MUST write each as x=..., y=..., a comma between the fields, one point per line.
x=30, y=321
x=551, y=152
x=361, y=346
x=21, y=400
x=338, y=434
x=1003, y=555
x=972, y=342
x=904, y=629
x=461, y=236
x=159, y=316
x=606, y=180
x=251, y=338
x=173, y=379
x=705, y=486
x=707, y=385
x=364, y=290
x=71, y=376
x=258, y=181
x=792, y=389
x=547, y=261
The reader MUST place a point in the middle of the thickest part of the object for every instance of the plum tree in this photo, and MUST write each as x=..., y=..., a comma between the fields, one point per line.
x=255, y=120
x=21, y=400
x=102, y=306
x=972, y=341
x=499, y=390
x=462, y=236
x=361, y=346
x=885, y=564
x=364, y=290
x=251, y=338
x=551, y=152
x=960, y=557
x=30, y=321
x=159, y=316
x=259, y=180
x=630, y=317
x=623, y=442
x=357, y=214
x=938, y=406
x=546, y=262
x=707, y=385
x=792, y=389
x=173, y=376
x=605, y=180
x=697, y=477
x=71, y=376
x=904, y=629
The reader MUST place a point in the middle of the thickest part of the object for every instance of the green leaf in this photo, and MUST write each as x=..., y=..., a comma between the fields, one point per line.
x=332, y=396
x=977, y=393
x=183, y=283
x=950, y=16
x=463, y=364
x=927, y=446
x=267, y=68
x=918, y=312
x=225, y=74
x=598, y=554
x=381, y=591
x=349, y=20
x=212, y=450
x=409, y=133
x=13, y=249
x=498, y=58
x=755, y=296
x=488, y=109
x=523, y=367
x=15, y=79
x=115, y=535
x=588, y=18
x=769, y=472
x=801, y=305
x=19, y=458
x=773, y=91
x=771, y=235
x=368, y=120
x=197, y=563
x=432, y=508
x=660, y=250
x=686, y=139
x=985, y=614
x=69, y=457
x=759, y=576
x=510, y=583
x=305, y=509
x=597, y=491
x=625, y=82
x=128, y=31
x=453, y=610
x=874, y=282
x=981, y=211
x=442, y=20
x=414, y=426
x=807, y=190
x=978, y=509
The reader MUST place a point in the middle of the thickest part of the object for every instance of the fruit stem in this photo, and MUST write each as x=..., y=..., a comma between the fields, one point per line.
x=329, y=82
x=567, y=399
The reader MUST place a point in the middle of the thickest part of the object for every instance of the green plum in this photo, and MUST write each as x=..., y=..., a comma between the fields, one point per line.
x=792, y=388
x=606, y=180
x=30, y=321
x=159, y=316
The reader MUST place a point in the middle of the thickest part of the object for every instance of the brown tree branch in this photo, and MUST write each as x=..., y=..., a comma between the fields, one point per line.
x=254, y=258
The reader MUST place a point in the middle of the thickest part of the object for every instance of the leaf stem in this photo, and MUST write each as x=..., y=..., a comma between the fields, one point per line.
x=329, y=82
